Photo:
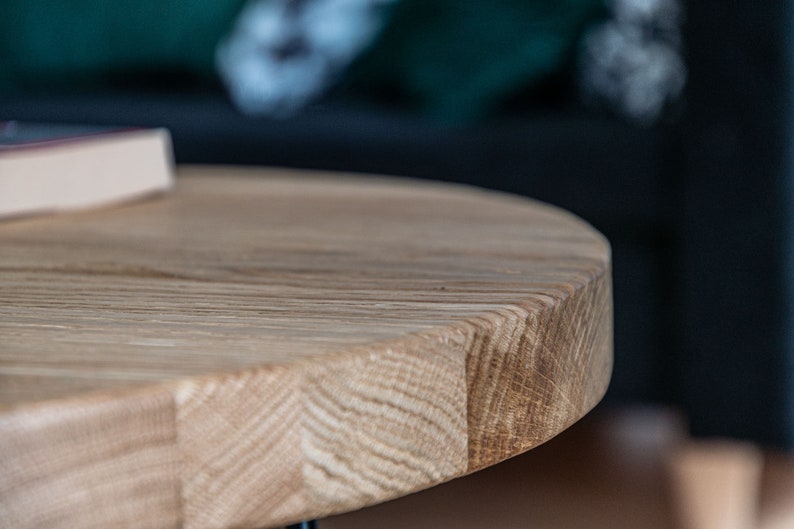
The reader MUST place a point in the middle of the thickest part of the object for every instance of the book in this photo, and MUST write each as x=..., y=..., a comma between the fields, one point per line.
x=55, y=168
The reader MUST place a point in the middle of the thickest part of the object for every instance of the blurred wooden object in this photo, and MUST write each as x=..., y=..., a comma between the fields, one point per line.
x=716, y=484
x=261, y=347
x=731, y=485
x=776, y=509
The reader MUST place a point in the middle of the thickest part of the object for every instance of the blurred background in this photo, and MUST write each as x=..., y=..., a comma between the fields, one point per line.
x=667, y=124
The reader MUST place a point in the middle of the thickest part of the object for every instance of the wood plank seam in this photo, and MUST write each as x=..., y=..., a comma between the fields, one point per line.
x=424, y=372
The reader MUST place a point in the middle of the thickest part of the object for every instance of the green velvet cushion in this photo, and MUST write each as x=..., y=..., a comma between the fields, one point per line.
x=457, y=59
x=65, y=42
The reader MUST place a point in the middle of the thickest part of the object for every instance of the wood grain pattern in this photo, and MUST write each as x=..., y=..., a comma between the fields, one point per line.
x=231, y=442
x=265, y=346
x=383, y=391
x=96, y=462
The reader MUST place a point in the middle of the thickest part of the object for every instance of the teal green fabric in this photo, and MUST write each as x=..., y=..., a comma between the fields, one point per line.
x=65, y=42
x=458, y=59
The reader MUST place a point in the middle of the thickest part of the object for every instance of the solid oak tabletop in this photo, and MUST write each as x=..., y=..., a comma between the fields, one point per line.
x=264, y=346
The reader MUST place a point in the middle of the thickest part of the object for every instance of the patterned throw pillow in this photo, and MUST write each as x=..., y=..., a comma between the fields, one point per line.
x=282, y=54
x=632, y=63
x=459, y=60
x=455, y=59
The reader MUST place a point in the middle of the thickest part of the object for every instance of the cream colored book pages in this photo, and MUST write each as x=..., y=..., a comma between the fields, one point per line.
x=91, y=171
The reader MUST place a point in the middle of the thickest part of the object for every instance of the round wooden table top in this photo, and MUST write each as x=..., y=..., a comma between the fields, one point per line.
x=260, y=347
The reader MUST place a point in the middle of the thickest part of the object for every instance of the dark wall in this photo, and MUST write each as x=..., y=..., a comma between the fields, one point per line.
x=735, y=362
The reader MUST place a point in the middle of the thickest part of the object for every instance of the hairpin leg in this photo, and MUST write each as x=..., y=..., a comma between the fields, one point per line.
x=311, y=524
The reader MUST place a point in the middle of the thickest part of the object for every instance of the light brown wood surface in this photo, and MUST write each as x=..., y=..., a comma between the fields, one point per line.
x=265, y=346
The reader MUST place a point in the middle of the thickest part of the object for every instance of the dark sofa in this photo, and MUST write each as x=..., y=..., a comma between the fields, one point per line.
x=698, y=208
